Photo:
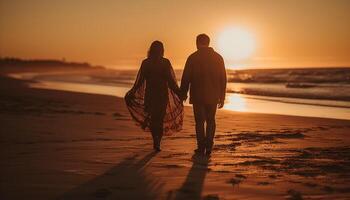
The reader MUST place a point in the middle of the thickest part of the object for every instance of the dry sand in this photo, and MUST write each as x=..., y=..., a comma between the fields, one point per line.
x=64, y=145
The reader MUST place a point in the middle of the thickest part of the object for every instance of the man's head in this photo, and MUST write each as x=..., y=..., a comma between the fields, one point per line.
x=202, y=41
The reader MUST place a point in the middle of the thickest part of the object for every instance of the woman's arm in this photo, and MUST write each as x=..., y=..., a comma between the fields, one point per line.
x=140, y=77
x=172, y=80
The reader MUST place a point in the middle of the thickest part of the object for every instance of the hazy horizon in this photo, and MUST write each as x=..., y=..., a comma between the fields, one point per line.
x=117, y=34
x=135, y=68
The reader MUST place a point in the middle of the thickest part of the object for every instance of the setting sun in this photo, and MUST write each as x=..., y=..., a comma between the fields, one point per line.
x=236, y=43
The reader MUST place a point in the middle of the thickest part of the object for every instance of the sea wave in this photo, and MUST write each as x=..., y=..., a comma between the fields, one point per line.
x=297, y=75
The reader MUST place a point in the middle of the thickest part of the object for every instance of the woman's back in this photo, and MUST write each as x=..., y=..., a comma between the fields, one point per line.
x=156, y=72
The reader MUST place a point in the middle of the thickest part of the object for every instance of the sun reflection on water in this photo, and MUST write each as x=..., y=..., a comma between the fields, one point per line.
x=235, y=102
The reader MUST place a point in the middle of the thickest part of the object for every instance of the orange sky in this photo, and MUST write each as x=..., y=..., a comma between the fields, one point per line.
x=118, y=33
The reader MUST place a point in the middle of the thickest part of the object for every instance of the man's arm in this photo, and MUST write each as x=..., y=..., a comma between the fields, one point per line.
x=172, y=80
x=186, y=78
x=223, y=81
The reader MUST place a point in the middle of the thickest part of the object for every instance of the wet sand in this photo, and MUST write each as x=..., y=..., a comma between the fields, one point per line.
x=66, y=145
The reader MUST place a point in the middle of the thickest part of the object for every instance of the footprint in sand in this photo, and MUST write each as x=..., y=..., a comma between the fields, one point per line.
x=240, y=176
x=328, y=189
x=234, y=181
x=98, y=113
x=263, y=183
x=294, y=195
x=311, y=185
x=116, y=114
x=237, y=179
x=102, y=193
x=211, y=197
x=272, y=176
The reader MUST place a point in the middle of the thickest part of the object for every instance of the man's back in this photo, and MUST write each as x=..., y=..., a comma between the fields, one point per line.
x=205, y=74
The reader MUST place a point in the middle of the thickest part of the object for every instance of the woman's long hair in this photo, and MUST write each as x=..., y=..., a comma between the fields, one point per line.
x=156, y=50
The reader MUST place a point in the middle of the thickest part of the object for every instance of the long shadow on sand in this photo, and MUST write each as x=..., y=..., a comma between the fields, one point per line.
x=127, y=180
x=193, y=185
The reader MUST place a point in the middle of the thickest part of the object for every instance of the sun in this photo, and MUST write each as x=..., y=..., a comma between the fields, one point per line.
x=236, y=44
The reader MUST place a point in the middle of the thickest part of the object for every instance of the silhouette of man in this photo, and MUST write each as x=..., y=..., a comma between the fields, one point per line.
x=205, y=76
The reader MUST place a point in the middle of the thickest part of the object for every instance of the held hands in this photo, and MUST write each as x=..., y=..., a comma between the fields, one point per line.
x=221, y=104
x=182, y=96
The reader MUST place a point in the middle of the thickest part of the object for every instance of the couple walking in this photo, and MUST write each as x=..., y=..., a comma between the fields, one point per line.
x=156, y=101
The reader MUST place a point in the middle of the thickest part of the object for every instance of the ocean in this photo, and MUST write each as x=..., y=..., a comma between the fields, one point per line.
x=310, y=92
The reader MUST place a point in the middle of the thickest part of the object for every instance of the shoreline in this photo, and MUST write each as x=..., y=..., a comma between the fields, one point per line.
x=236, y=102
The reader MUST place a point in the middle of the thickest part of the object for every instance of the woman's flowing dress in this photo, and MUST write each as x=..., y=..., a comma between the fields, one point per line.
x=156, y=96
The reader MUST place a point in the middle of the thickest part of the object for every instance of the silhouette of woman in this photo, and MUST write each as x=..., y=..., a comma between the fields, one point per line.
x=155, y=101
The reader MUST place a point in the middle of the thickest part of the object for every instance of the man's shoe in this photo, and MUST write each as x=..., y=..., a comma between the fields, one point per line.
x=199, y=151
x=208, y=153
x=156, y=147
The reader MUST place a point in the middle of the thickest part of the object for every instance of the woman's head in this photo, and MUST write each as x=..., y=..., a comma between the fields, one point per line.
x=156, y=50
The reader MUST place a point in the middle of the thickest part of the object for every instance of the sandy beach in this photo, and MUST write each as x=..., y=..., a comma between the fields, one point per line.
x=67, y=145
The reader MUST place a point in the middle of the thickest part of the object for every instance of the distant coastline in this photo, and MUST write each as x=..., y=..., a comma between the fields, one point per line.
x=289, y=76
x=9, y=65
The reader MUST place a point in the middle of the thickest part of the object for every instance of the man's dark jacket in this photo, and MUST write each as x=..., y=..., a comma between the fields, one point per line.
x=205, y=76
